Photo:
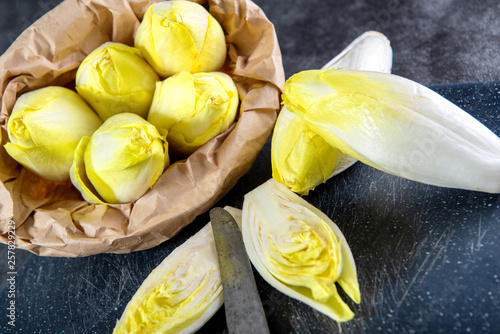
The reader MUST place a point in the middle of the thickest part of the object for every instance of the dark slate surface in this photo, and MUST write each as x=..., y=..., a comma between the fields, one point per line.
x=434, y=41
x=426, y=256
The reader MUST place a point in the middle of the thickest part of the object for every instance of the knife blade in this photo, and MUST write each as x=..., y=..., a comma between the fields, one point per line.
x=242, y=304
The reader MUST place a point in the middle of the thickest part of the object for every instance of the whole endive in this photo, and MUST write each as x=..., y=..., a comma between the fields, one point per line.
x=302, y=159
x=298, y=249
x=177, y=36
x=398, y=126
x=45, y=127
x=181, y=294
x=193, y=108
x=120, y=162
x=114, y=79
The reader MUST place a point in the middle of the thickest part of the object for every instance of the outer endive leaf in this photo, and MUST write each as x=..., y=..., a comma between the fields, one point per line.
x=301, y=159
x=50, y=161
x=181, y=294
x=298, y=249
x=78, y=174
x=398, y=126
x=369, y=52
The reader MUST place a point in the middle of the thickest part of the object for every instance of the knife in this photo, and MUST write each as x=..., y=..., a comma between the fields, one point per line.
x=244, y=311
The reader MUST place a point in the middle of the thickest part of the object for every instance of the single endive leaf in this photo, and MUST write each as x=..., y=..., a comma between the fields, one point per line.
x=177, y=36
x=302, y=159
x=49, y=161
x=398, y=126
x=78, y=174
x=181, y=294
x=371, y=51
x=45, y=127
x=298, y=249
x=114, y=78
x=193, y=108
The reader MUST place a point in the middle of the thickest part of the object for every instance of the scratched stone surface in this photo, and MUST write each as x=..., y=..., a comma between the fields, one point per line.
x=426, y=256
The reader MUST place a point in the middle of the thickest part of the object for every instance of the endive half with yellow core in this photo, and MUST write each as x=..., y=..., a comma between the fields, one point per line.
x=114, y=79
x=302, y=159
x=45, y=127
x=398, y=126
x=194, y=108
x=298, y=249
x=181, y=294
x=120, y=162
x=177, y=36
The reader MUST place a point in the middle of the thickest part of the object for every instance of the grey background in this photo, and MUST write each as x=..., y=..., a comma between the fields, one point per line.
x=434, y=42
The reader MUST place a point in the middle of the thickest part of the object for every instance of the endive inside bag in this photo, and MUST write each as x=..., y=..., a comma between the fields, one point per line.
x=193, y=109
x=298, y=250
x=44, y=130
x=181, y=294
x=398, y=126
x=177, y=36
x=114, y=79
x=301, y=159
x=120, y=162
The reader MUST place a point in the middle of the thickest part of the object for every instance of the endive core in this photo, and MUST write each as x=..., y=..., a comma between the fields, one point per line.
x=306, y=253
x=19, y=130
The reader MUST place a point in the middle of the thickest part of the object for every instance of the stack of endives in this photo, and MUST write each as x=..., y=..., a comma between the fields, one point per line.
x=352, y=109
x=133, y=107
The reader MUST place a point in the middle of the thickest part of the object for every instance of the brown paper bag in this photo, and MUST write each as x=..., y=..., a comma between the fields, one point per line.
x=51, y=218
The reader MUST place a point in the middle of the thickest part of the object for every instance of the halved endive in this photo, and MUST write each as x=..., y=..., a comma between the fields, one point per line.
x=301, y=159
x=398, y=126
x=181, y=294
x=298, y=250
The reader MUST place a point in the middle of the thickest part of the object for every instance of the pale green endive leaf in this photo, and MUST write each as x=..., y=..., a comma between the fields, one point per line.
x=79, y=177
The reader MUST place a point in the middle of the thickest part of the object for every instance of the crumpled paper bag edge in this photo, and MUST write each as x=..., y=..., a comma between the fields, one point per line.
x=48, y=236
